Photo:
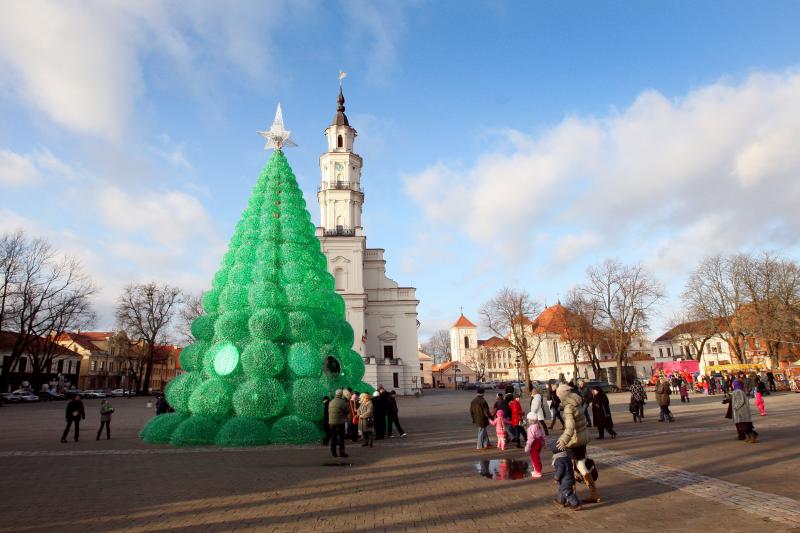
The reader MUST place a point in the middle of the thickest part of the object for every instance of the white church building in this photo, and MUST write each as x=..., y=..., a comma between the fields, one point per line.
x=382, y=313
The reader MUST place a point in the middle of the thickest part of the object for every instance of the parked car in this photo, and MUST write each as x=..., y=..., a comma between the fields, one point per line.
x=605, y=386
x=118, y=393
x=20, y=396
x=93, y=394
x=47, y=396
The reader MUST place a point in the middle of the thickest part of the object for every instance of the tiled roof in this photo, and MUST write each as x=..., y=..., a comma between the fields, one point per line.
x=81, y=339
x=696, y=327
x=494, y=342
x=424, y=357
x=464, y=322
x=8, y=339
x=552, y=320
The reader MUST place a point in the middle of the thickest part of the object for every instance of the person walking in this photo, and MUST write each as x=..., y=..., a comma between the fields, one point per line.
x=684, y=390
x=366, y=420
x=740, y=409
x=479, y=410
x=662, y=395
x=638, y=397
x=391, y=416
x=516, y=431
x=602, y=414
x=761, y=390
x=555, y=405
x=537, y=409
x=585, y=393
x=534, y=444
x=771, y=381
x=75, y=414
x=337, y=414
x=379, y=410
x=500, y=423
x=575, y=437
x=105, y=418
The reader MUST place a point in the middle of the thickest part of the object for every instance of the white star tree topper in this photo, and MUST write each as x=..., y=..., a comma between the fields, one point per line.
x=277, y=136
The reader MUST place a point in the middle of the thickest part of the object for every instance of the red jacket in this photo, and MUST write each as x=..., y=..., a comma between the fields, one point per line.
x=516, y=412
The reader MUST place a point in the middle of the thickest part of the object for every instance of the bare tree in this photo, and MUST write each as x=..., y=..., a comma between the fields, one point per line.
x=509, y=315
x=584, y=335
x=43, y=295
x=772, y=288
x=477, y=361
x=715, y=292
x=145, y=312
x=624, y=296
x=192, y=308
x=438, y=346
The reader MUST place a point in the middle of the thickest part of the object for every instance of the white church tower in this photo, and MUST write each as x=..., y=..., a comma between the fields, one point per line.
x=383, y=315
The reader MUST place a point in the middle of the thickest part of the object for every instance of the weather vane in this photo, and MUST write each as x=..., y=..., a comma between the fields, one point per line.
x=277, y=136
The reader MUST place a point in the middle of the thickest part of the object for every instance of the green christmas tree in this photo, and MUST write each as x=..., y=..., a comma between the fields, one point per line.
x=273, y=340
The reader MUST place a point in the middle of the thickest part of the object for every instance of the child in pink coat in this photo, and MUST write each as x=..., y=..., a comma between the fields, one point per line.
x=500, y=422
x=535, y=444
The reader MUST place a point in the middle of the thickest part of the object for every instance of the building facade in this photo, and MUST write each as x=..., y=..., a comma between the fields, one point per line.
x=382, y=313
x=60, y=374
x=548, y=348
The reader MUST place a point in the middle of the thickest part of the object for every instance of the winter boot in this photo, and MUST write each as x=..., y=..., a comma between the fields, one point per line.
x=594, y=495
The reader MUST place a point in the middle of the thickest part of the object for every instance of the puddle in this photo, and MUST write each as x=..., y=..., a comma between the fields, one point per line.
x=337, y=464
x=503, y=469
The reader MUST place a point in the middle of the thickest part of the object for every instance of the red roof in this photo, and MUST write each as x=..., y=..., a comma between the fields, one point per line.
x=494, y=342
x=8, y=339
x=81, y=339
x=464, y=322
x=552, y=320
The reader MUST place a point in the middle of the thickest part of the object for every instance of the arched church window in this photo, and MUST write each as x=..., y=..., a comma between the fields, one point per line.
x=466, y=342
x=339, y=142
x=341, y=279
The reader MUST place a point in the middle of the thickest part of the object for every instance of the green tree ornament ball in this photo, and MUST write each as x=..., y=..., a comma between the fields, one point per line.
x=273, y=340
x=263, y=358
x=262, y=398
x=195, y=431
x=267, y=324
x=212, y=399
x=180, y=389
x=292, y=429
x=203, y=327
x=243, y=431
x=304, y=361
x=159, y=429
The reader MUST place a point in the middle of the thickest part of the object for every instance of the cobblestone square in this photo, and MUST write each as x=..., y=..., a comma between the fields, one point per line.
x=688, y=474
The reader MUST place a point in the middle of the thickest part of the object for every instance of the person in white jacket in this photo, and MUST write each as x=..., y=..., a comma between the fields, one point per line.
x=538, y=410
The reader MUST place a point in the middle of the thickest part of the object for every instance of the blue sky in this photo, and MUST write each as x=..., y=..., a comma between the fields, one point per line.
x=503, y=143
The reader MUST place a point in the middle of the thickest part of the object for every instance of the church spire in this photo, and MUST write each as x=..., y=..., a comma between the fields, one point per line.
x=340, y=119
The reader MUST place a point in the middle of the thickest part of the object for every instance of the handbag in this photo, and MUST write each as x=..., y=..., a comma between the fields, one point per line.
x=729, y=412
x=370, y=421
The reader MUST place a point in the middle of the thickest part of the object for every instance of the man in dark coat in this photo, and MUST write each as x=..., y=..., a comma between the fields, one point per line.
x=338, y=412
x=379, y=412
x=602, y=413
x=75, y=414
x=391, y=416
x=479, y=410
x=585, y=393
x=771, y=380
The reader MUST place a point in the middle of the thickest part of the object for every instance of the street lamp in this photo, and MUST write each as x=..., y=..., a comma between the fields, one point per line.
x=519, y=379
x=456, y=370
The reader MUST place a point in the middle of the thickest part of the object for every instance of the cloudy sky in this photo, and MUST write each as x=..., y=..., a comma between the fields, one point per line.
x=504, y=143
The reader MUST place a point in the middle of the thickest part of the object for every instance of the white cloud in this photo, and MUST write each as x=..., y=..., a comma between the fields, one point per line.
x=166, y=217
x=722, y=152
x=81, y=63
x=573, y=246
x=16, y=170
